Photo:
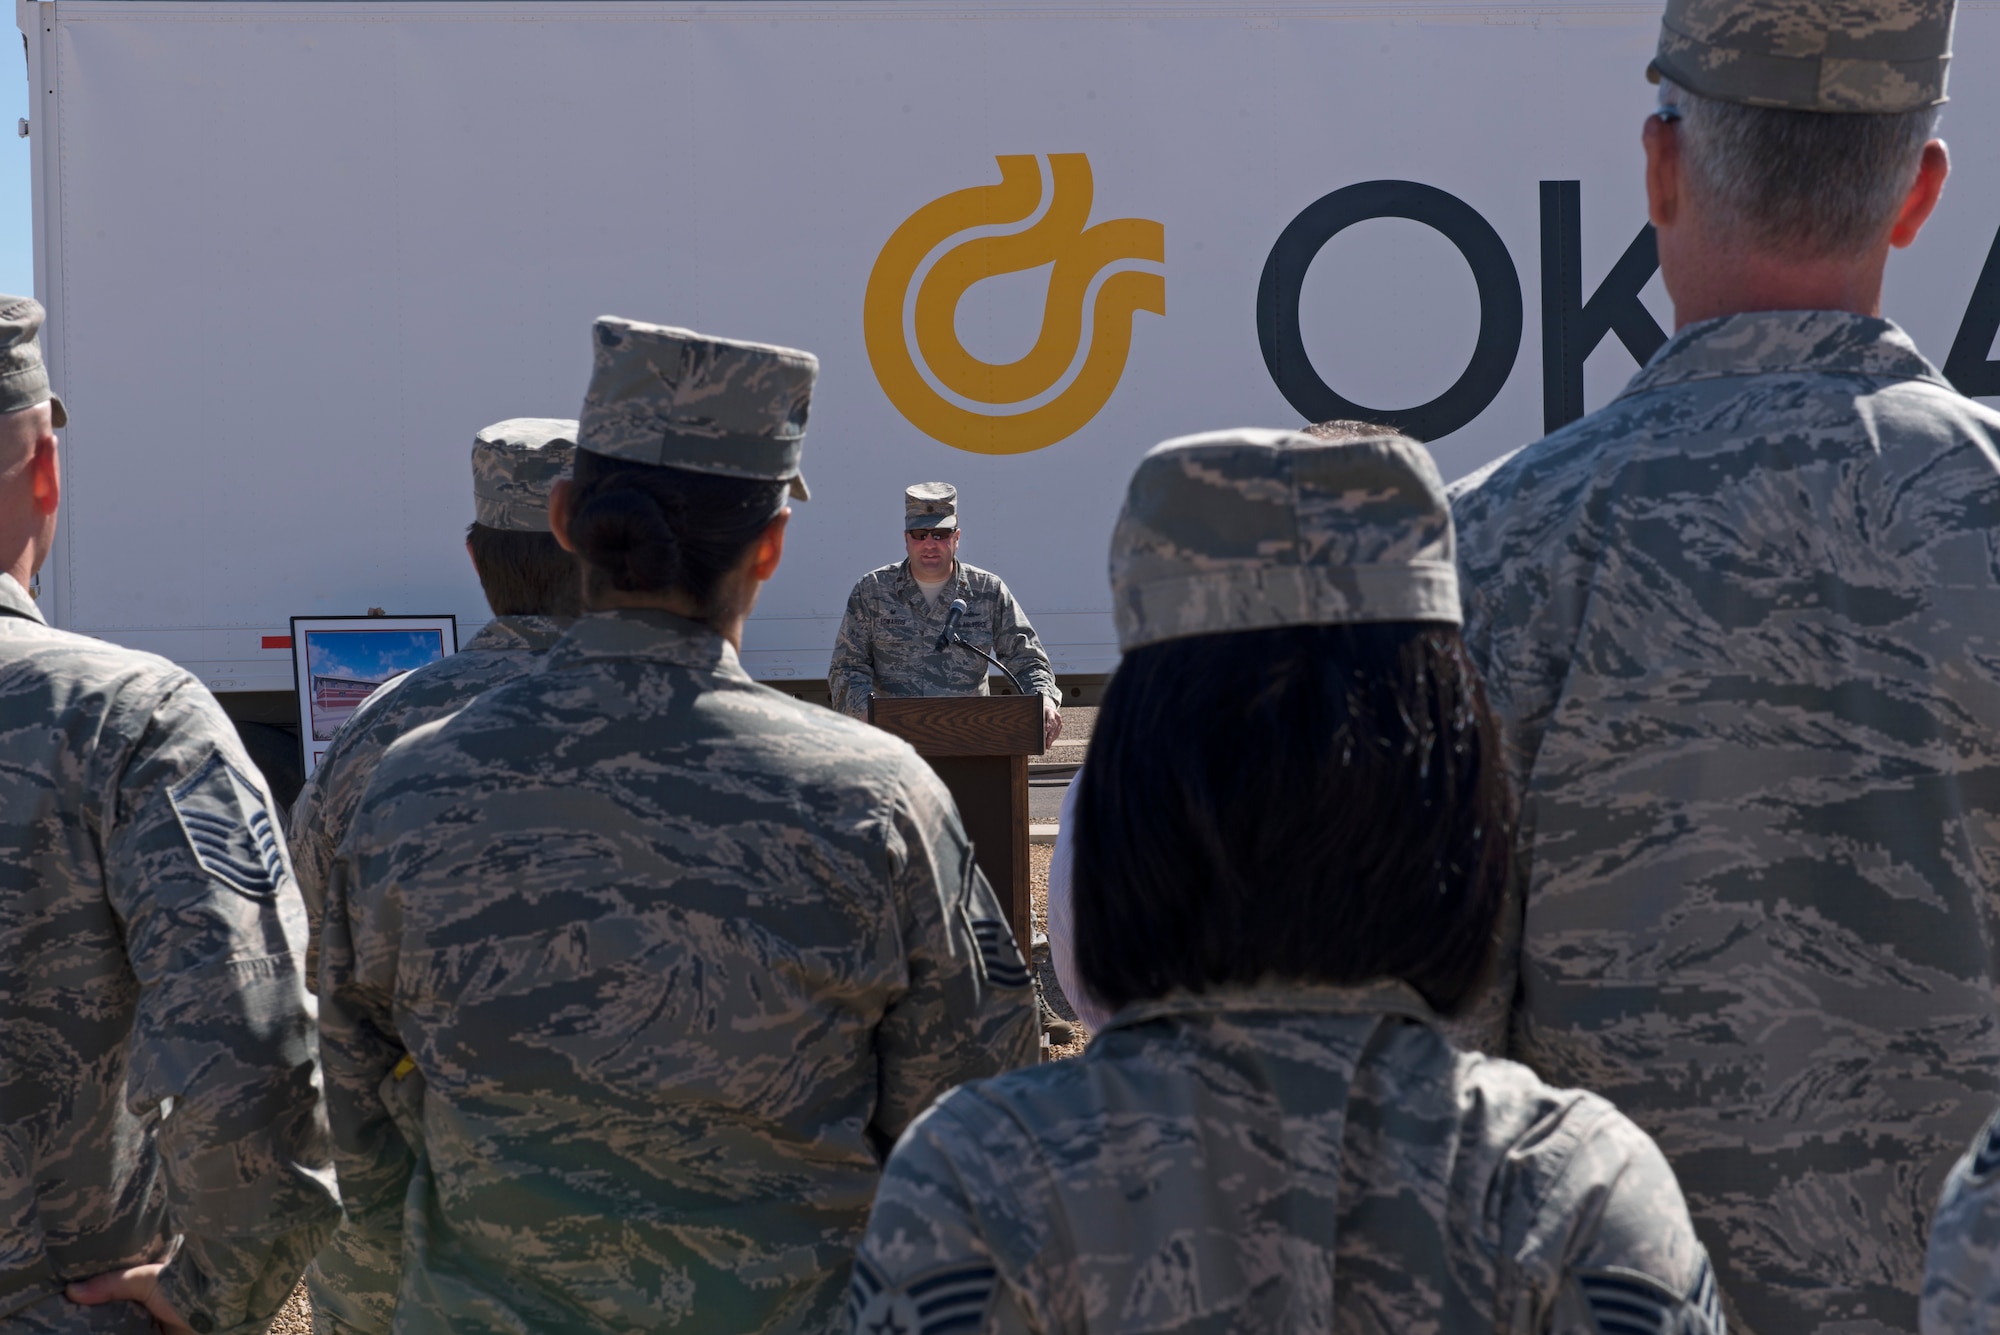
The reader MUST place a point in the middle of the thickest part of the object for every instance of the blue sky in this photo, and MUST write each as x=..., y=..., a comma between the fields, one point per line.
x=369, y=655
x=17, y=229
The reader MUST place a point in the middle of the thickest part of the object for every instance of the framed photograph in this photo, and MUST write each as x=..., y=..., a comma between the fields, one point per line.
x=337, y=662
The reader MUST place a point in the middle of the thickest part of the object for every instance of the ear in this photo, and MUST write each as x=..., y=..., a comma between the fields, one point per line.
x=560, y=496
x=769, y=549
x=1664, y=186
x=1923, y=196
x=46, y=475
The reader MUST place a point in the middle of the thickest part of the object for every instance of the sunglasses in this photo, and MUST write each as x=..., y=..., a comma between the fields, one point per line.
x=930, y=534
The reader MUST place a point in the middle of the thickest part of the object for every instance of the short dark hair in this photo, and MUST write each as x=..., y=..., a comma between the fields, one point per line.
x=645, y=528
x=525, y=574
x=1311, y=804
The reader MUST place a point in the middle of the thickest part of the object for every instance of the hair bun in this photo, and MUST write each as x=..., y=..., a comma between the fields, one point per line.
x=627, y=534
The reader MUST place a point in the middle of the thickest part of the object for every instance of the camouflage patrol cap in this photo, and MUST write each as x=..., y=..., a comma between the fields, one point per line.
x=1876, y=56
x=515, y=463
x=1247, y=530
x=24, y=380
x=930, y=505
x=710, y=405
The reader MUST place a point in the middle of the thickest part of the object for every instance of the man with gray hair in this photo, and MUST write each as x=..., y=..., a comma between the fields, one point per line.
x=165, y=1162
x=1743, y=625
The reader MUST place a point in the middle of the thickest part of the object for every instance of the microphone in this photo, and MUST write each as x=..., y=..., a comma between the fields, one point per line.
x=951, y=620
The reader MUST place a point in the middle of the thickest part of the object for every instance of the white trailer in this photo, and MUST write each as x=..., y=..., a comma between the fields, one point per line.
x=295, y=254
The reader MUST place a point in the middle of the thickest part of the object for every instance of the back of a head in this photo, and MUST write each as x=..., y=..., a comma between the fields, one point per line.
x=1294, y=775
x=687, y=450
x=1803, y=122
x=522, y=569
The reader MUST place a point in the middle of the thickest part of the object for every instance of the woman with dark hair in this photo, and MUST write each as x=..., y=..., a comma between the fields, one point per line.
x=634, y=969
x=1291, y=857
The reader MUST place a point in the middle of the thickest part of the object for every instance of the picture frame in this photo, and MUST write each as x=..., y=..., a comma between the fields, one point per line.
x=339, y=661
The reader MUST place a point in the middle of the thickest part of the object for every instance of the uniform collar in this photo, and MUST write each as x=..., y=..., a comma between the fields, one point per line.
x=1764, y=342
x=14, y=601
x=520, y=634
x=1387, y=995
x=643, y=635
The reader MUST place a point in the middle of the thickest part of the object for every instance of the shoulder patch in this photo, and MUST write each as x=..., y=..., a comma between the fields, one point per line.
x=1000, y=953
x=948, y=1300
x=226, y=824
x=1629, y=1302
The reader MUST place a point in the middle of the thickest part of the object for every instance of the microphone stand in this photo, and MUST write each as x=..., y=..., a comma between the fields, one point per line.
x=963, y=643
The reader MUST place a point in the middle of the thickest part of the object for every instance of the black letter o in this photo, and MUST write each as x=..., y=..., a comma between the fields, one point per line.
x=1492, y=269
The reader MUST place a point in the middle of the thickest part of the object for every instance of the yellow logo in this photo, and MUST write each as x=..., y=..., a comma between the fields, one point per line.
x=910, y=314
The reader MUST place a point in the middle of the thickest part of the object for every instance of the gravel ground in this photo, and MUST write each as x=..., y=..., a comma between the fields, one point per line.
x=1038, y=890
x=295, y=1317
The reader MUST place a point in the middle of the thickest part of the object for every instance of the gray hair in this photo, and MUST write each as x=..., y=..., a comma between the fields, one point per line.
x=1813, y=184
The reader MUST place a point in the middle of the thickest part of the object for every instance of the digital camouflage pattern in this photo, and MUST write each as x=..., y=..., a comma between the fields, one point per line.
x=929, y=505
x=675, y=959
x=24, y=379
x=506, y=648
x=515, y=464
x=340, y=1279
x=1962, y=1271
x=1302, y=1159
x=1871, y=56
x=152, y=952
x=1743, y=628
x=888, y=639
x=710, y=405
x=1248, y=529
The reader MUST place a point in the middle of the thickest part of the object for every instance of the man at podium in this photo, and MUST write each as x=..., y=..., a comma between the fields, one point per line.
x=889, y=637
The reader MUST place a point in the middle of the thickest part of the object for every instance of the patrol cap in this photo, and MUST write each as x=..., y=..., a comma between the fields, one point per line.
x=930, y=505
x=673, y=397
x=24, y=380
x=1875, y=56
x=1248, y=530
x=515, y=464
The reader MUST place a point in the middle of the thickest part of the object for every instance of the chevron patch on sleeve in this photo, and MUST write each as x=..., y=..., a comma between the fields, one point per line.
x=229, y=829
x=949, y=1300
x=1000, y=953
x=1626, y=1302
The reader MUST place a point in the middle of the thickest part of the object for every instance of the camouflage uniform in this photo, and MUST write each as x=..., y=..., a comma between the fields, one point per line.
x=507, y=648
x=1289, y=1160
x=514, y=465
x=1286, y=1158
x=153, y=945
x=1744, y=628
x=888, y=639
x=159, y=1096
x=634, y=968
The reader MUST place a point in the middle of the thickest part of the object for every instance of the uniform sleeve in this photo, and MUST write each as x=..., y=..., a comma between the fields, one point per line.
x=851, y=677
x=1016, y=644
x=925, y=1266
x=364, y=1065
x=1962, y=1267
x=222, y=1049
x=1612, y=1234
x=967, y=1010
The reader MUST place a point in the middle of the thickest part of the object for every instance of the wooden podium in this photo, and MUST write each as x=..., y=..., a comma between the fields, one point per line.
x=979, y=745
